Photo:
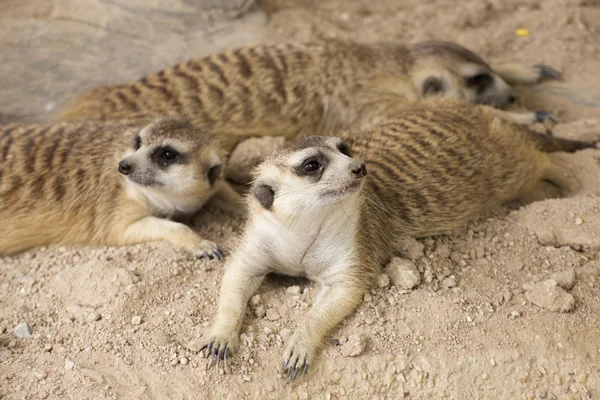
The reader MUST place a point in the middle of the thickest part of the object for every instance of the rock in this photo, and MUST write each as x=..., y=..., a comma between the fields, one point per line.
x=255, y=300
x=428, y=276
x=93, y=316
x=272, y=314
x=449, y=282
x=383, y=281
x=442, y=250
x=69, y=364
x=565, y=279
x=294, y=290
x=48, y=347
x=246, y=378
x=194, y=346
x=547, y=294
x=39, y=374
x=410, y=248
x=43, y=395
x=22, y=331
x=183, y=360
x=260, y=311
x=403, y=273
x=355, y=346
x=136, y=320
x=285, y=334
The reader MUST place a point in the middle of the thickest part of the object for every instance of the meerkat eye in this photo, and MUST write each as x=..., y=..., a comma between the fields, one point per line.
x=311, y=166
x=344, y=149
x=169, y=155
x=137, y=143
x=214, y=173
x=479, y=82
x=165, y=156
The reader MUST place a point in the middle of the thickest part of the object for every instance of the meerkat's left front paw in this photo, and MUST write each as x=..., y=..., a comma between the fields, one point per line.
x=206, y=249
x=219, y=347
x=298, y=356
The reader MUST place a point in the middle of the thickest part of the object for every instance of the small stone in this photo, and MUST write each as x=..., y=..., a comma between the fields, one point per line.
x=246, y=378
x=69, y=364
x=449, y=282
x=367, y=297
x=260, y=311
x=547, y=294
x=272, y=314
x=39, y=375
x=285, y=334
x=515, y=314
x=43, y=395
x=337, y=376
x=383, y=281
x=255, y=300
x=582, y=378
x=428, y=276
x=403, y=273
x=294, y=290
x=355, y=346
x=442, y=250
x=183, y=360
x=485, y=376
x=93, y=316
x=468, y=319
x=22, y=331
x=194, y=346
x=136, y=320
x=578, y=221
x=455, y=257
x=48, y=347
x=565, y=279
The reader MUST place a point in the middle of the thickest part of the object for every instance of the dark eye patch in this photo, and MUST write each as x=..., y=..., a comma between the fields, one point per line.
x=164, y=156
x=479, y=82
x=137, y=143
x=213, y=174
x=431, y=86
x=312, y=167
x=344, y=149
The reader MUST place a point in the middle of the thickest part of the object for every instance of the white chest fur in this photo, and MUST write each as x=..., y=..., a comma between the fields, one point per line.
x=312, y=244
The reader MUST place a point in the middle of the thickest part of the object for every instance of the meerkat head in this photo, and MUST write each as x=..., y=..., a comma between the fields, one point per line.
x=175, y=160
x=448, y=69
x=307, y=175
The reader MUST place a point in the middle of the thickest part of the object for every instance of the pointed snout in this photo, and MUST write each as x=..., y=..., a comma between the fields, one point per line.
x=125, y=167
x=359, y=171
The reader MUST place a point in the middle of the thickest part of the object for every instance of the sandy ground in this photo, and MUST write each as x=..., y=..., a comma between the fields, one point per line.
x=507, y=308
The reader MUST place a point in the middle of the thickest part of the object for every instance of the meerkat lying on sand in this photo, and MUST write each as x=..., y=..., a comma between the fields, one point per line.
x=317, y=88
x=107, y=183
x=330, y=210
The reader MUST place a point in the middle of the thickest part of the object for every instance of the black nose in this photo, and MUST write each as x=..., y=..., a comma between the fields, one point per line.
x=124, y=167
x=512, y=98
x=360, y=171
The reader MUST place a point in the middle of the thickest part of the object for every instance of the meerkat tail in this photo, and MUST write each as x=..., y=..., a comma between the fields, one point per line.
x=525, y=74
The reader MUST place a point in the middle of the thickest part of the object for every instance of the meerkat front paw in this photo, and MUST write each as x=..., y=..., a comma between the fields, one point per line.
x=545, y=116
x=298, y=356
x=206, y=249
x=219, y=346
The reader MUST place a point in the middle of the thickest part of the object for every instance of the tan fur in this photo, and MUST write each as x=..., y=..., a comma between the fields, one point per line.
x=431, y=168
x=289, y=89
x=59, y=184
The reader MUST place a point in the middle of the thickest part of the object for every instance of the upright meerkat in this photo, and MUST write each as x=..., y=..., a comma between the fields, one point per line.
x=314, y=211
x=106, y=183
x=293, y=89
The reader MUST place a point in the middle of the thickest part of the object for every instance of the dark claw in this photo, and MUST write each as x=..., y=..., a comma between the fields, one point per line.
x=547, y=72
x=304, y=372
x=207, y=347
x=202, y=256
x=295, y=373
x=541, y=116
x=288, y=374
x=285, y=365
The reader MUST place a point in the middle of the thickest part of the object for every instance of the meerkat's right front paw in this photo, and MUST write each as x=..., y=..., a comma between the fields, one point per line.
x=546, y=72
x=219, y=347
x=206, y=249
x=544, y=116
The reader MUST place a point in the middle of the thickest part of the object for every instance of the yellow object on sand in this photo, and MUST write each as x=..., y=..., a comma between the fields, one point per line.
x=522, y=32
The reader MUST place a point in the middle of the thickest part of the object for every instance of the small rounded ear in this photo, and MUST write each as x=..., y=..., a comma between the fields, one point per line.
x=265, y=195
x=432, y=85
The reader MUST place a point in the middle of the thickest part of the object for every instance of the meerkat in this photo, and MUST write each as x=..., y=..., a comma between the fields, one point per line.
x=107, y=183
x=331, y=210
x=317, y=88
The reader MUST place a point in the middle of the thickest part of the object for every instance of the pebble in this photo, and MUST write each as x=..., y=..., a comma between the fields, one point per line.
x=260, y=311
x=48, y=347
x=449, y=282
x=69, y=364
x=355, y=346
x=293, y=290
x=22, y=331
x=428, y=276
x=565, y=279
x=255, y=300
x=183, y=361
x=39, y=375
x=285, y=334
x=403, y=273
x=547, y=294
x=247, y=378
x=578, y=221
x=194, y=346
x=411, y=248
x=515, y=314
x=272, y=314
x=383, y=281
x=93, y=316
x=136, y=320
x=442, y=250
x=582, y=378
